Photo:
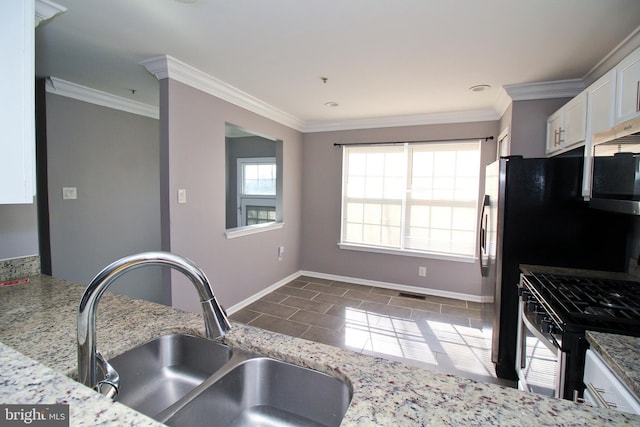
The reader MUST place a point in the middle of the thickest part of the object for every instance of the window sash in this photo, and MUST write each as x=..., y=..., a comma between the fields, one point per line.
x=417, y=198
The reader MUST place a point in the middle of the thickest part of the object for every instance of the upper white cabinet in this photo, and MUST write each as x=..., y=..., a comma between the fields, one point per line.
x=555, y=122
x=601, y=97
x=17, y=121
x=567, y=127
x=628, y=88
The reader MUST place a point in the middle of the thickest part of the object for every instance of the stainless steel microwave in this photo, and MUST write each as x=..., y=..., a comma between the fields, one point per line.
x=616, y=169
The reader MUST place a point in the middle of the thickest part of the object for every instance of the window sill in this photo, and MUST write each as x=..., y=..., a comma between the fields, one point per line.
x=431, y=255
x=232, y=233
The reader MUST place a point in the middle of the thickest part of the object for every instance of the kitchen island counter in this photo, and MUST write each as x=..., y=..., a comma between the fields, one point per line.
x=38, y=319
x=621, y=353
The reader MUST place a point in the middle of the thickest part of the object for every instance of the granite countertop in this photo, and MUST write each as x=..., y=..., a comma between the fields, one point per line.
x=622, y=354
x=37, y=320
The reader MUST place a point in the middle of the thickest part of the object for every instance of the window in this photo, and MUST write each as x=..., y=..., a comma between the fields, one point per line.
x=257, y=196
x=415, y=198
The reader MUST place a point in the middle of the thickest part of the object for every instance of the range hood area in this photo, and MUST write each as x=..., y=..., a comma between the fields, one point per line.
x=616, y=169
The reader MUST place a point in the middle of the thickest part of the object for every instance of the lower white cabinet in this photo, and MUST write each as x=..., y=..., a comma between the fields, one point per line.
x=604, y=389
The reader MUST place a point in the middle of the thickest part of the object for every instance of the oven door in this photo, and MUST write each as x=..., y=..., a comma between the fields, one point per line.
x=542, y=364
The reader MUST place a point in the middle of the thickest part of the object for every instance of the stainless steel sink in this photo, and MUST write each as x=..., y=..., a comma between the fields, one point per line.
x=157, y=374
x=181, y=380
x=266, y=392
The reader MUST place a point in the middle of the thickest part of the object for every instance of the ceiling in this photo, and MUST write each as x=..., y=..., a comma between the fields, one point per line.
x=381, y=58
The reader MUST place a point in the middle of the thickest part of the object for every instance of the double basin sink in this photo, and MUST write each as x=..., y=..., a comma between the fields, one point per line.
x=182, y=380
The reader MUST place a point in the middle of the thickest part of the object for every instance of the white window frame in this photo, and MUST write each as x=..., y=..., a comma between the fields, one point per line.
x=402, y=249
x=255, y=199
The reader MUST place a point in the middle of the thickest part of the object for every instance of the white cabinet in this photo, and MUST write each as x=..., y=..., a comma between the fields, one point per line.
x=567, y=127
x=554, y=131
x=600, y=111
x=604, y=389
x=628, y=88
x=17, y=121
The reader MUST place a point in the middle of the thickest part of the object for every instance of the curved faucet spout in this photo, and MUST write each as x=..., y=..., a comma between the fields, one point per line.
x=216, y=322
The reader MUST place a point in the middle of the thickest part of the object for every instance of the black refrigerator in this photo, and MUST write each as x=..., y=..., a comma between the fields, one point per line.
x=534, y=213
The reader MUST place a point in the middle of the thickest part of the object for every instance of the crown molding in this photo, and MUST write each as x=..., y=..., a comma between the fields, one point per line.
x=545, y=90
x=503, y=101
x=94, y=96
x=621, y=51
x=165, y=66
x=45, y=9
x=481, y=115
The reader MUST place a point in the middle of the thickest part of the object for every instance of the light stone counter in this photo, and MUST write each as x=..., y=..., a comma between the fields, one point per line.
x=38, y=320
x=622, y=354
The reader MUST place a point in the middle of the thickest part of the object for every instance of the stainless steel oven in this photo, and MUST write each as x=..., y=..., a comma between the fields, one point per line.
x=541, y=360
x=554, y=312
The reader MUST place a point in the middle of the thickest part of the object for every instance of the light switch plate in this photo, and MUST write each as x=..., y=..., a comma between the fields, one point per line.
x=182, y=195
x=69, y=193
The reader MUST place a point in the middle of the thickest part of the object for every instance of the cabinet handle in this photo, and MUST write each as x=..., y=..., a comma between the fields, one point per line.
x=560, y=140
x=597, y=393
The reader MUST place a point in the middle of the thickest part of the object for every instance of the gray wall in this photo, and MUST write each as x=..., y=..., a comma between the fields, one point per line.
x=529, y=125
x=112, y=157
x=322, y=169
x=193, y=158
x=18, y=231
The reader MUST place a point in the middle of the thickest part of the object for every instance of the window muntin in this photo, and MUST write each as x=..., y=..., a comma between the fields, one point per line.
x=412, y=197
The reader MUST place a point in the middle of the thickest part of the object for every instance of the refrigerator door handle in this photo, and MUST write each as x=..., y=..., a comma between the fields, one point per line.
x=484, y=222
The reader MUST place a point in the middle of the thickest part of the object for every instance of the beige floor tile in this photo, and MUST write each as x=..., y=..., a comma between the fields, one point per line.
x=437, y=333
x=415, y=304
x=352, y=286
x=340, y=301
x=295, y=292
x=317, y=319
x=244, y=316
x=385, y=309
x=326, y=289
x=272, y=309
x=279, y=325
x=366, y=296
x=305, y=304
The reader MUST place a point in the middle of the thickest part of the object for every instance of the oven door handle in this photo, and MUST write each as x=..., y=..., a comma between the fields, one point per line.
x=551, y=345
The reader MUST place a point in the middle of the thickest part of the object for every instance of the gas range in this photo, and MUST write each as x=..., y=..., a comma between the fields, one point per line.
x=556, y=310
x=582, y=303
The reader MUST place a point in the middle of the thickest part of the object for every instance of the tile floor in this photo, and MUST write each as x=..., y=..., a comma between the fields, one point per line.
x=438, y=333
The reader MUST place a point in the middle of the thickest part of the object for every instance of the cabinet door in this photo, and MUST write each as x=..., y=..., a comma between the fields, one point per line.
x=575, y=121
x=628, y=88
x=17, y=145
x=600, y=111
x=601, y=101
x=554, y=131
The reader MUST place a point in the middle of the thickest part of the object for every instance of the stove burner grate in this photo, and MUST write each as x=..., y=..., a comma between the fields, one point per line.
x=592, y=298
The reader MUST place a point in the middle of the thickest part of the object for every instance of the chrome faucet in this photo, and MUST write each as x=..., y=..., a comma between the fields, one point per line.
x=89, y=360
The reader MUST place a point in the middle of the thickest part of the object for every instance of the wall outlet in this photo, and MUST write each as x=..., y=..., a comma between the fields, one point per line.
x=69, y=193
x=422, y=271
x=280, y=253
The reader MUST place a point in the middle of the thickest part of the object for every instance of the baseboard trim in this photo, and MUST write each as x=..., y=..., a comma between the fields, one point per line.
x=400, y=287
x=255, y=297
x=387, y=285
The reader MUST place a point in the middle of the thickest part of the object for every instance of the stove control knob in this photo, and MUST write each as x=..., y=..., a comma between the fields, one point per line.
x=548, y=326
